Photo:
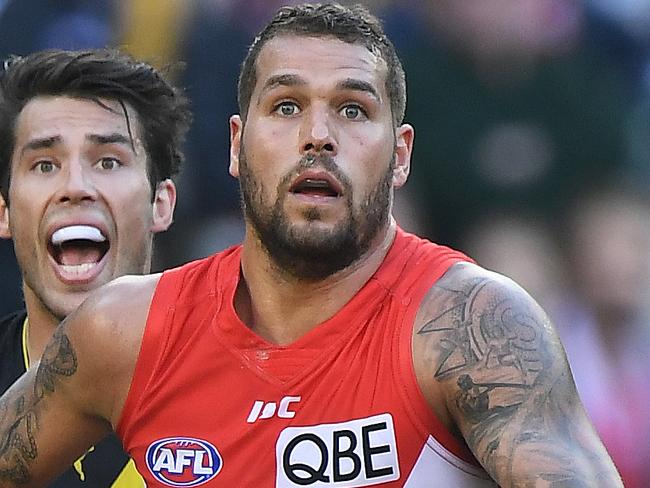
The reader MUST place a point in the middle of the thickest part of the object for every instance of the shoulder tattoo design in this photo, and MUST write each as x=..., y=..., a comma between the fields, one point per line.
x=494, y=349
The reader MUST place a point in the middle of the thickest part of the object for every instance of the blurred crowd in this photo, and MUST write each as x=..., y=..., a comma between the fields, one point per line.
x=532, y=154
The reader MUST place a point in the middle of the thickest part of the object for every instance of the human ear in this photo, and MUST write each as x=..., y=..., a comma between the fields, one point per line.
x=5, y=231
x=236, y=129
x=404, y=135
x=164, y=203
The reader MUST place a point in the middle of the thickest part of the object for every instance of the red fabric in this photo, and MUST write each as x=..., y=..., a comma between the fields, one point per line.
x=201, y=370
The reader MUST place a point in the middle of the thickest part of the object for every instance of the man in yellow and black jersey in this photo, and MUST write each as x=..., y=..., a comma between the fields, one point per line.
x=89, y=142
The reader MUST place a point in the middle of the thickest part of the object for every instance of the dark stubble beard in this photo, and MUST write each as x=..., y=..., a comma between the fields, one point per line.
x=307, y=252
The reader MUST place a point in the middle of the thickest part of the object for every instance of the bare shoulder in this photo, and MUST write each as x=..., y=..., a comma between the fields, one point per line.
x=492, y=367
x=478, y=318
x=135, y=291
x=105, y=333
x=114, y=315
x=478, y=326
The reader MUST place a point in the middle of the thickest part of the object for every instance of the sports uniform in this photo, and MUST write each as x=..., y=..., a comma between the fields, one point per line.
x=211, y=402
x=106, y=464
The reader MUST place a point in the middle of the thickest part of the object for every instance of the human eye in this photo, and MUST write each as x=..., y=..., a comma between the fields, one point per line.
x=353, y=111
x=44, y=166
x=108, y=163
x=286, y=108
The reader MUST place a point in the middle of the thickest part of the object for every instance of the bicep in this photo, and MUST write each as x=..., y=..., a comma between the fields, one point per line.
x=503, y=374
x=44, y=424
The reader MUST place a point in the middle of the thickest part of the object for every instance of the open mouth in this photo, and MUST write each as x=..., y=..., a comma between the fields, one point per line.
x=78, y=249
x=316, y=186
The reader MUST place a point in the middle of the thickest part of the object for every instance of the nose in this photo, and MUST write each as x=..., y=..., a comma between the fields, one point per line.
x=76, y=185
x=318, y=132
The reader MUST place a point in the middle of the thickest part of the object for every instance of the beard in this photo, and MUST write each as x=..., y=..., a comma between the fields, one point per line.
x=309, y=252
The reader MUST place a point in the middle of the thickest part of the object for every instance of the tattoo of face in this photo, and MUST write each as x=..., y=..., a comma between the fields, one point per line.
x=19, y=410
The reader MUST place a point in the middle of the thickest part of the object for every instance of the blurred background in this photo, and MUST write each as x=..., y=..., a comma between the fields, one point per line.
x=532, y=154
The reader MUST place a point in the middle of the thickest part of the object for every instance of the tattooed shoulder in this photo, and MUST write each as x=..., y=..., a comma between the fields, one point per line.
x=491, y=349
x=484, y=324
x=493, y=361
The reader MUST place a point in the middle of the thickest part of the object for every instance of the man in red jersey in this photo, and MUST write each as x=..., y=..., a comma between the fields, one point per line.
x=331, y=348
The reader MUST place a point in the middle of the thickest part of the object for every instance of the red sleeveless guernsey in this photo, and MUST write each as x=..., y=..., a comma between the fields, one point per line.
x=212, y=404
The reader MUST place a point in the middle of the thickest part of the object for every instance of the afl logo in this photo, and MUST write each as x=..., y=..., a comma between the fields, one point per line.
x=183, y=461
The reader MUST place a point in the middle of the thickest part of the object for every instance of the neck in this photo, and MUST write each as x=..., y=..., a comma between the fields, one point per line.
x=42, y=323
x=281, y=308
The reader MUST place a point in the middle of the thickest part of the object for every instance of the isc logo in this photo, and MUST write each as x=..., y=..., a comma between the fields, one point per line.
x=183, y=461
x=356, y=453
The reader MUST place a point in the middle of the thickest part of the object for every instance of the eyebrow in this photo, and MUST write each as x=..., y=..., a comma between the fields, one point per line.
x=100, y=139
x=41, y=143
x=358, y=85
x=295, y=80
x=115, y=138
x=281, y=80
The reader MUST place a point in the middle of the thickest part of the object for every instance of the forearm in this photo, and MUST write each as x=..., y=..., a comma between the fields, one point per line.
x=41, y=428
x=19, y=418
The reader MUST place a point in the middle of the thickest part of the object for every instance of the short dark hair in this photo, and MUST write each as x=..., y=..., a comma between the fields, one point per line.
x=162, y=110
x=353, y=25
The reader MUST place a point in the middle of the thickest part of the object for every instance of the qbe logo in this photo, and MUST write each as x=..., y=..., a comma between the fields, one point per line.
x=183, y=461
x=356, y=453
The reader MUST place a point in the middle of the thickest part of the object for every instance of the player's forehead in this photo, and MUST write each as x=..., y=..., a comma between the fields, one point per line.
x=41, y=111
x=71, y=120
x=318, y=59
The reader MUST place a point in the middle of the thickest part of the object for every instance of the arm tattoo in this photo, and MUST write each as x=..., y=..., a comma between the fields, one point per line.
x=493, y=346
x=59, y=359
x=19, y=410
x=496, y=336
x=491, y=349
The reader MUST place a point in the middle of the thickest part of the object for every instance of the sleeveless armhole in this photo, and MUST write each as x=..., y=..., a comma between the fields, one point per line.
x=12, y=354
x=129, y=477
x=421, y=414
x=152, y=348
